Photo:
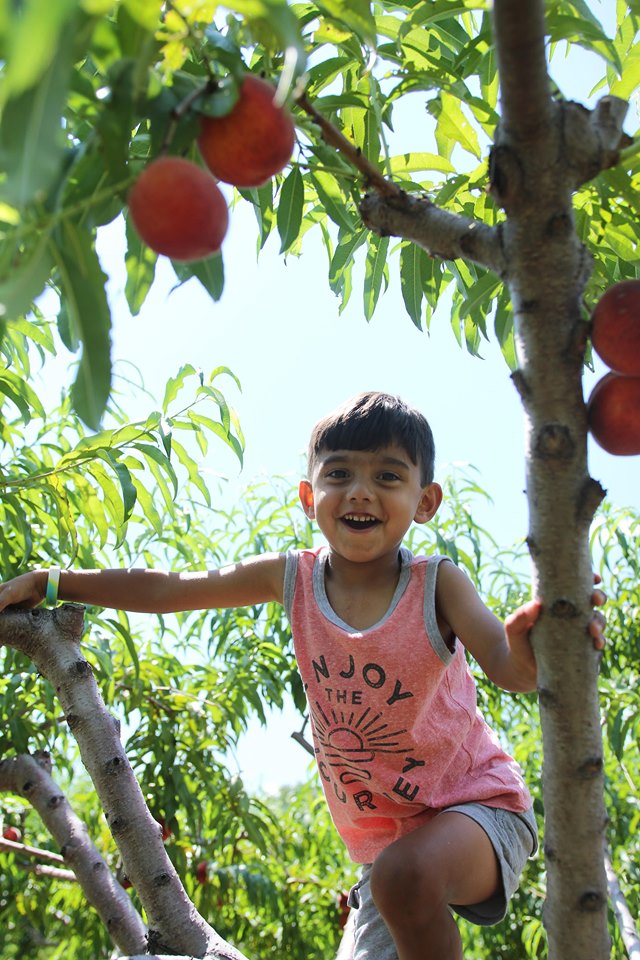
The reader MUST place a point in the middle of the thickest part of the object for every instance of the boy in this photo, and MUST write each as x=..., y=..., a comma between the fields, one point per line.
x=418, y=786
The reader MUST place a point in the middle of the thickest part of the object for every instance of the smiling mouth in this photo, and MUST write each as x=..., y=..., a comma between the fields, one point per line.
x=359, y=522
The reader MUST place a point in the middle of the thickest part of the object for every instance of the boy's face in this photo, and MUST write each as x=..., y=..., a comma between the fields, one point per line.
x=364, y=501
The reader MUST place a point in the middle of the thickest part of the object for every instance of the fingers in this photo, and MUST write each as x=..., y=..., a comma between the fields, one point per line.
x=597, y=625
x=522, y=620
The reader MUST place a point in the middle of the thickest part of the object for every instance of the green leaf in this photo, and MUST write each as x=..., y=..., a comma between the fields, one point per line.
x=375, y=272
x=332, y=200
x=284, y=24
x=153, y=455
x=23, y=395
x=26, y=280
x=83, y=292
x=343, y=258
x=289, y=216
x=453, y=127
x=356, y=15
x=209, y=272
x=129, y=643
x=413, y=162
x=175, y=384
x=144, y=12
x=31, y=136
x=193, y=471
x=140, y=262
x=31, y=42
x=414, y=275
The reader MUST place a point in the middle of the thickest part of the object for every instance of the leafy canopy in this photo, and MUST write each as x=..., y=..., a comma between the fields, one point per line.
x=93, y=89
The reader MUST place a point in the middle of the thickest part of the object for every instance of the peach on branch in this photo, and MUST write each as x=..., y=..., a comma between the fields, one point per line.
x=178, y=209
x=253, y=141
x=615, y=328
x=613, y=412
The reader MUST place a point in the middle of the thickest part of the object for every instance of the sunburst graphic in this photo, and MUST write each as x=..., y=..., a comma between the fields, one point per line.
x=347, y=740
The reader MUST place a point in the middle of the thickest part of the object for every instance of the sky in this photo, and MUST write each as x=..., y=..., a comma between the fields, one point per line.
x=278, y=328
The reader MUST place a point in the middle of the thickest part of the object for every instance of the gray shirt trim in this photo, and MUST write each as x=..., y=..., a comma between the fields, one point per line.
x=445, y=653
x=430, y=621
x=289, y=583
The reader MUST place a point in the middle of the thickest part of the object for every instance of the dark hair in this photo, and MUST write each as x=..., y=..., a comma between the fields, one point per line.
x=371, y=421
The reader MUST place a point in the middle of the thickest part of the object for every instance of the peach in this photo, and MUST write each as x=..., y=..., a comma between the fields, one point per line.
x=178, y=209
x=253, y=141
x=615, y=328
x=613, y=412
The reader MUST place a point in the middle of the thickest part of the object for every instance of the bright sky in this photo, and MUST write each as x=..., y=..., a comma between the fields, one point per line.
x=277, y=327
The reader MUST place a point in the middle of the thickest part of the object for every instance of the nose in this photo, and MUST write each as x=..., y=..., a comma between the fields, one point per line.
x=359, y=488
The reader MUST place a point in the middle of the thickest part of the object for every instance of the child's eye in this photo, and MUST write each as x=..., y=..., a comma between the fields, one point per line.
x=388, y=476
x=337, y=474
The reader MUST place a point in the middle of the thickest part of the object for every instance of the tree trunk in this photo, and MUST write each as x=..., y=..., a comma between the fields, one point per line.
x=544, y=150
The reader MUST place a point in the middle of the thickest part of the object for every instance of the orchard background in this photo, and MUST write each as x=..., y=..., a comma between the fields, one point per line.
x=517, y=209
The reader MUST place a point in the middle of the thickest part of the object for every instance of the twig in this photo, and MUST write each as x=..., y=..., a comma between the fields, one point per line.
x=625, y=920
x=334, y=138
x=12, y=847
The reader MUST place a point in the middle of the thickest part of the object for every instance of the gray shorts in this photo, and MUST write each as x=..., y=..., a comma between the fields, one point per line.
x=514, y=837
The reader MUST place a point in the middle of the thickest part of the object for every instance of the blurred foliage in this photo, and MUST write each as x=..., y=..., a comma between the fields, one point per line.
x=94, y=89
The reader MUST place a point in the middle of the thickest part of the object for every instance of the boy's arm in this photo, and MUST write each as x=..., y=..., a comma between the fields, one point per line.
x=503, y=650
x=254, y=580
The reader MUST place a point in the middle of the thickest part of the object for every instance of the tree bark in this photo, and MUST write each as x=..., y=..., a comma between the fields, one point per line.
x=51, y=640
x=30, y=777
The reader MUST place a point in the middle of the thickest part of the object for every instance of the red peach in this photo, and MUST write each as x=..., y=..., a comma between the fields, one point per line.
x=615, y=328
x=253, y=141
x=178, y=209
x=613, y=412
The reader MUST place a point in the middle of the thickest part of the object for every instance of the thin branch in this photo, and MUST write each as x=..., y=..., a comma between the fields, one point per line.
x=624, y=917
x=26, y=851
x=53, y=873
x=335, y=138
x=30, y=777
x=51, y=639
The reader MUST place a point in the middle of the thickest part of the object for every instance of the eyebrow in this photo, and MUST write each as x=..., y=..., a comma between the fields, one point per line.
x=341, y=457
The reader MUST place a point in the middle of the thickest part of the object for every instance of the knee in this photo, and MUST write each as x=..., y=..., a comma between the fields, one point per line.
x=403, y=886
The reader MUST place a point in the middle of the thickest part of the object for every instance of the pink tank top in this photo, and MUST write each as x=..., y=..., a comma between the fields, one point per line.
x=396, y=728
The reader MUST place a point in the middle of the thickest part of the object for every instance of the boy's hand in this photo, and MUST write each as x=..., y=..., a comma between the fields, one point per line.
x=25, y=591
x=518, y=626
x=597, y=623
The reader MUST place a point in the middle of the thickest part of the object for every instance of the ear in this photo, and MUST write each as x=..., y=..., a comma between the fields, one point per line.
x=429, y=502
x=305, y=492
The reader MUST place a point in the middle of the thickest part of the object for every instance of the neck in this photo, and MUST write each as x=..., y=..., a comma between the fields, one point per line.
x=381, y=571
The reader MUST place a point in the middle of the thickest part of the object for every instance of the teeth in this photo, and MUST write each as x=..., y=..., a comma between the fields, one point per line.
x=358, y=518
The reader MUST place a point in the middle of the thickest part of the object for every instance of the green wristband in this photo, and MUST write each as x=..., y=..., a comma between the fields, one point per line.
x=53, y=585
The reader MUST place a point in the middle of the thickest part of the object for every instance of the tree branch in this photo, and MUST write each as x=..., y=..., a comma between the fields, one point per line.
x=51, y=639
x=335, y=138
x=30, y=777
x=390, y=211
x=626, y=924
x=442, y=234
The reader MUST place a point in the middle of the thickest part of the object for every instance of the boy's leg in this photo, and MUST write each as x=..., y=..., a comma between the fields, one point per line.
x=449, y=860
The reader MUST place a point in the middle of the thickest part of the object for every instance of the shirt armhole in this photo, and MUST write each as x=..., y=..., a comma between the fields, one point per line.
x=445, y=653
x=289, y=583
